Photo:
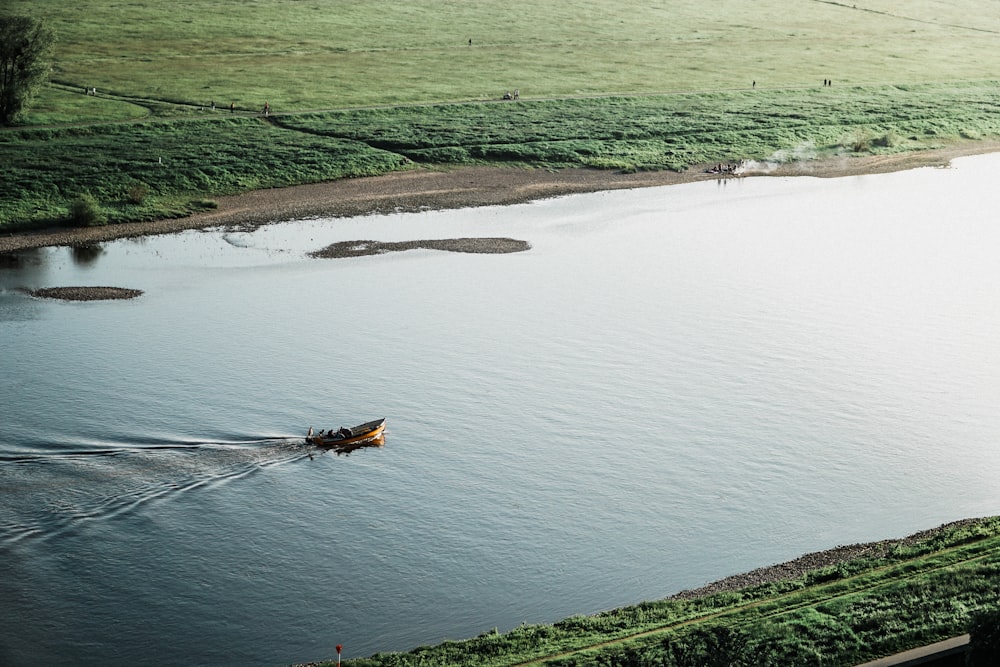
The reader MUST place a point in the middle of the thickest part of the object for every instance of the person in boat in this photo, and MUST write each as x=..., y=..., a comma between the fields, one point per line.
x=344, y=432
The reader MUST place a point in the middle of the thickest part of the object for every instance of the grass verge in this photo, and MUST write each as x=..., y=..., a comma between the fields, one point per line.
x=908, y=594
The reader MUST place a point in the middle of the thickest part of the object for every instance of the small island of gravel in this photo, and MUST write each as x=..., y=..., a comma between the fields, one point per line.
x=85, y=293
x=486, y=246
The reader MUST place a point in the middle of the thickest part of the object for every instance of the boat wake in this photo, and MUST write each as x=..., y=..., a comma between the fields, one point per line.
x=50, y=494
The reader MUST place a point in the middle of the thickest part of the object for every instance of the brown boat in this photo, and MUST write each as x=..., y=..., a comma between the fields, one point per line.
x=344, y=437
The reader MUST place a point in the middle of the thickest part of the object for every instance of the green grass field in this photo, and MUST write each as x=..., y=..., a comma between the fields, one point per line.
x=364, y=88
x=322, y=54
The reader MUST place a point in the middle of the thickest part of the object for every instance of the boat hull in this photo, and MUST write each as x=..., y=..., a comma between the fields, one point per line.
x=359, y=435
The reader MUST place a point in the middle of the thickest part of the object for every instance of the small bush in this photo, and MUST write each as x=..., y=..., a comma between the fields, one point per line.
x=888, y=140
x=84, y=211
x=137, y=193
x=859, y=141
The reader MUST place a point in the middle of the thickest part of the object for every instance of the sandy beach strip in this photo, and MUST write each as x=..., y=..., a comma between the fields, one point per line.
x=423, y=189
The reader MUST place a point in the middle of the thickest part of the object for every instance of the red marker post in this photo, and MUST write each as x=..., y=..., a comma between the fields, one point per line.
x=339, y=649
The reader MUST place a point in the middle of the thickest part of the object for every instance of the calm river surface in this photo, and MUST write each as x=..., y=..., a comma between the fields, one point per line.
x=673, y=385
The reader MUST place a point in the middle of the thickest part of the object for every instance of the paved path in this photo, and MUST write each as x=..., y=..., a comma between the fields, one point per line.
x=922, y=655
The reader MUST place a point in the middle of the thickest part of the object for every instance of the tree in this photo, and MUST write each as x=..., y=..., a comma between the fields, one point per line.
x=24, y=45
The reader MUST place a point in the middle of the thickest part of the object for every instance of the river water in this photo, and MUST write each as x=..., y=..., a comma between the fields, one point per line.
x=672, y=385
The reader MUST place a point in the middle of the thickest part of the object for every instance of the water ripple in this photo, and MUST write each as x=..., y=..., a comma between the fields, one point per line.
x=101, y=483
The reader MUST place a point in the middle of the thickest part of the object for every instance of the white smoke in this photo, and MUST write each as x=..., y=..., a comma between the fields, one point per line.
x=800, y=156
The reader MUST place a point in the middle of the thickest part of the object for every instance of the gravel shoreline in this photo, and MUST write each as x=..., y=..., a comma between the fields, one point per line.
x=820, y=559
x=423, y=189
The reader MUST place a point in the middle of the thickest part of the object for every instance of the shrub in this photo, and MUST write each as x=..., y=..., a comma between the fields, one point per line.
x=84, y=211
x=137, y=193
x=888, y=140
x=859, y=141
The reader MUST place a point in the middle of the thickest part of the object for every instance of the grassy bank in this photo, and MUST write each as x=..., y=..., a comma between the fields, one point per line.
x=166, y=168
x=635, y=86
x=900, y=596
